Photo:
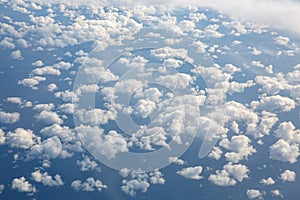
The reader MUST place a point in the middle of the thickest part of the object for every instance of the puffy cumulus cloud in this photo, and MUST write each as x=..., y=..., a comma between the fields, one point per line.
x=22, y=185
x=230, y=175
x=238, y=112
x=275, y=103
x=7, y=43
x=215, y=153
x=89, y=185
x=46, y=179
x=15, y=100
x=67, y=96
x=139, y=180
x=48, y=70
x=266, y=122
x=239, y=147
x=191, y=172
x=288, y=175
x=130, y=187
x=49, y=117
x=288, y=132
x=86, y=164
x=50, y=148
x=16, y=55
x=38, y=63
x=254, y=194
x=51, y=87
x=21, y=138
x=2, y=137
x=176, y=160
x=9, y=118
x=32, y=82
x=276, y=193
x=102, y=144
x=267, y=181
x=19, y=101
x=44, y=106
x=62, y=65
x=95, y=117
x=67, y=108
x=280, y=40
x=283, y=151
x=271, y=85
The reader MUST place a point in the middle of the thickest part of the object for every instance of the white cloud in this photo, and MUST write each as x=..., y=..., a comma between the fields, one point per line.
x=21, y=138
x=229, y=175
x=16, y=55
x=50, y=148
x=89, y=185
x=51, y=87
x=15, y=100
x=38, y=63
x=282, y=40
x=48, y=70
x=44, y=106
x=22, y=185
x=46, y=179
x=9, y=118
x=107, y=145
x=2, y=137
x=267, y=181
x=131, y=186
x=288, y=132
x=191, y=172
x=216, y=153
x=239, y=147
x=176, y=160
x=32, y=82
x=87, y=165
x=7, y=43
x=254, y=194
x=283, y=151
x=276, y=193
x=274, y=103
x=288, y=175
x=67, y=108
x=49, y=117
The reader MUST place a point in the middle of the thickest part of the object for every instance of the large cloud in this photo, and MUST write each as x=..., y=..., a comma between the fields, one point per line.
x=282, y=14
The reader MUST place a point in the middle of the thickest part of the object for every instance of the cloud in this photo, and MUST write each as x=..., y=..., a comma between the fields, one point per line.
x=46, y=179
x=230, y=175
x=49, y=117
x=139, y=180
x=239, y=147
x=9, y=118
x=89, y=185
x=267, y=181
x=87, y=165
x=288, y=175
x=22, y=185
x=21, y=138
x=16, y=55
x=176, y=160
x=50, y=148
x=254, y=194
x=285, y=152
x=275, y=103
x=191, y=172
